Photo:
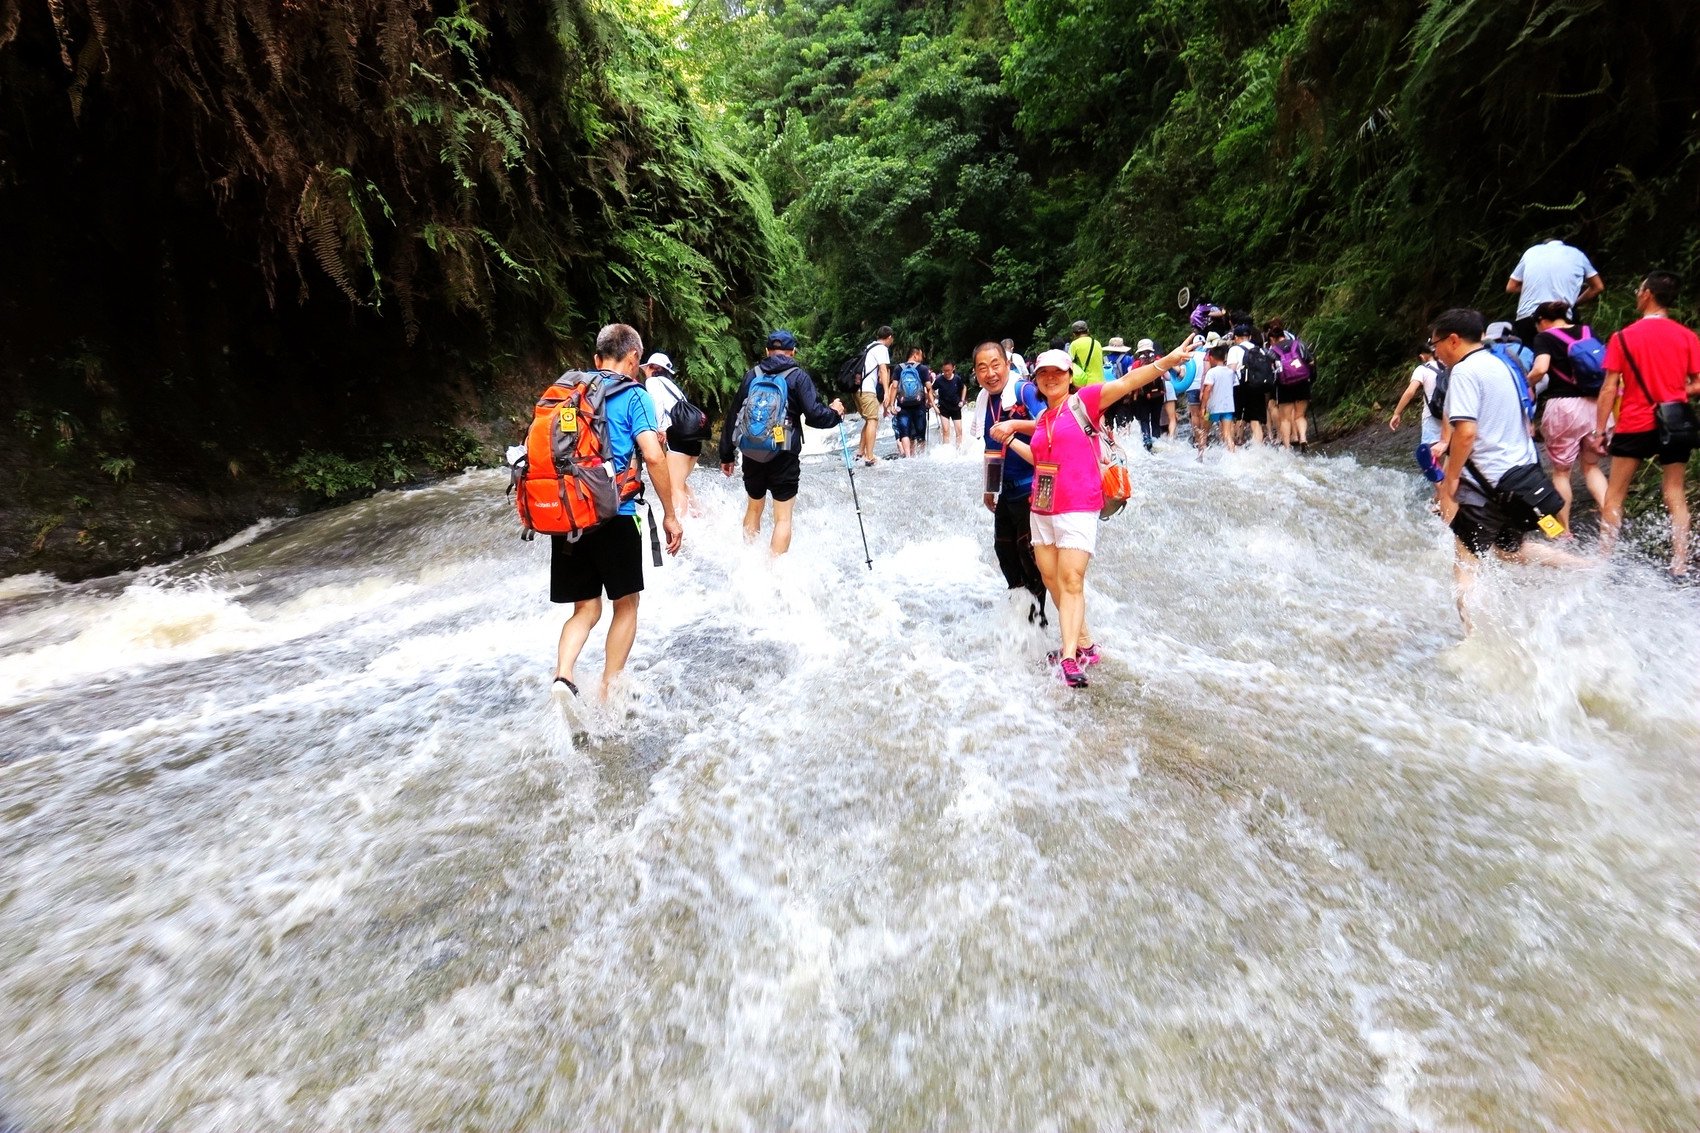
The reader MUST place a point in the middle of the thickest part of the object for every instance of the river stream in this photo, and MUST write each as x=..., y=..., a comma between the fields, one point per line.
x=292, y=836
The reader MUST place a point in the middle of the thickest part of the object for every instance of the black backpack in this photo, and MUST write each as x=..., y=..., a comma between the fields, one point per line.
x=1257, y=368
x=1437, y=399
x=850, y=373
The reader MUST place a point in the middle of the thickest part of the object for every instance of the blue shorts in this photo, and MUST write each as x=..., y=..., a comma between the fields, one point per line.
x=1192, y=397
x=1221, y=416
x=910, y=424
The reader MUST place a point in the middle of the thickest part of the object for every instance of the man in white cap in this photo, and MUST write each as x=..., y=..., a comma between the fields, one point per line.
x=683, y=451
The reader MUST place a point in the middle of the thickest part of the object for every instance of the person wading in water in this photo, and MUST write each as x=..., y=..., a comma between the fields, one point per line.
x=1068, y=491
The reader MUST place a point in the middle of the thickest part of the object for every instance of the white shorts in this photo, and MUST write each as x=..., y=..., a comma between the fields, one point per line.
x=1168, y=390
x=1069, y=530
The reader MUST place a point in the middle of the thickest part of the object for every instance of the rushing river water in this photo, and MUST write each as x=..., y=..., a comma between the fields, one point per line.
x=292, y=837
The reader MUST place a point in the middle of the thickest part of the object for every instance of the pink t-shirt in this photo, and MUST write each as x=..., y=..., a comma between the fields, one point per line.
x=1057, y=439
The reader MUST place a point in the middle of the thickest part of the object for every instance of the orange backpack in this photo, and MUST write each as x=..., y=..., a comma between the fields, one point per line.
x=565, y=484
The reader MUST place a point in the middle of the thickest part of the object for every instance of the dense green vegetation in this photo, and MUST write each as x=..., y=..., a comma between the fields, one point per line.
x=970, y=168
x=332, y=243
x=241, y=232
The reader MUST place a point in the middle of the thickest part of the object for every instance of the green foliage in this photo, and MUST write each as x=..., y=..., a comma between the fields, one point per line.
x=966, y=170
x=330, y=475
x=326, y=198
x=120, y=468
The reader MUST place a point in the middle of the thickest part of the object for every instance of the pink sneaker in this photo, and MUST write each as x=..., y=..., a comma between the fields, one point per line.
x=1072, y=674
x=1090, y=656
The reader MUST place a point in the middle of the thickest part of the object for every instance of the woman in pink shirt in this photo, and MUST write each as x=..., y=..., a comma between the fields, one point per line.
x=1068, y=490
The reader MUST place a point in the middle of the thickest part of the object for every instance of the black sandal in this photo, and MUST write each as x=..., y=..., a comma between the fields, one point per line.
x=571, y=687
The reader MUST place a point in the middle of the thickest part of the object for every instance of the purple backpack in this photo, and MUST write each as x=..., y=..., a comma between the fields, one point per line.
x=1296, y=362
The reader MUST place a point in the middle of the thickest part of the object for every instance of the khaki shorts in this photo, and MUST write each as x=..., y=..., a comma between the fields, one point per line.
x=868, y=406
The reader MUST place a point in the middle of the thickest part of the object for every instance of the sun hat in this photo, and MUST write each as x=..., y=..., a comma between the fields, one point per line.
x=661, y=362
x=1116, y=346
x=1053, y=359
x=1145, y=346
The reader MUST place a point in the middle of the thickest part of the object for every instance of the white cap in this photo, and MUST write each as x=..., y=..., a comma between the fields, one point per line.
x=1055, y=359
x=1498, y=331
x=1145, y=344
x=660, y=360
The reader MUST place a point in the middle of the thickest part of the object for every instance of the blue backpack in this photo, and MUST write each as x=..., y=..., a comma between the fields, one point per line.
x=1517, y=359
x=911, y=391
x=1587, y=358
x=761, y=422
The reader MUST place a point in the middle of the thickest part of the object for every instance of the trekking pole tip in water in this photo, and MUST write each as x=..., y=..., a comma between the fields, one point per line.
x=850, y=470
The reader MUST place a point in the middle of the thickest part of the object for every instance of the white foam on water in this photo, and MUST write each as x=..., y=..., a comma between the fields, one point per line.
x=841, y=852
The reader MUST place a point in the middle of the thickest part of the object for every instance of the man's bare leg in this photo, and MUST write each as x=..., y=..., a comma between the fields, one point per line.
x=752, y=519
x=1623, y=471
x=622, y=631
x=1676, y=502
x=782, y=525
x=574, y=634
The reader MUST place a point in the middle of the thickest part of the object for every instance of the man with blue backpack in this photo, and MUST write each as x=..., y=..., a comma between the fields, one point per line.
x=1572, y=363
x=908, y=398
x=763, y=424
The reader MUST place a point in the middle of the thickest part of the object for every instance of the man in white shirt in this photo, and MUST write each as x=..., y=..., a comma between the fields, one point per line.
x=1551, y=271
x=1490, y=437
x=1017, y=364
x=876, y=372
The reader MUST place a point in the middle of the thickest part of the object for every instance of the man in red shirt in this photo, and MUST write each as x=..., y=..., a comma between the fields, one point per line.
x=1651, y=360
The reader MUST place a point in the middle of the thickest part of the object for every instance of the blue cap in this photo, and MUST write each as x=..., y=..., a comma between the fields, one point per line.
x=781, y=340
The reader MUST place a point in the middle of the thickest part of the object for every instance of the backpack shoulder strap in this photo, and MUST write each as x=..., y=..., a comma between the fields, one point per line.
x=1635, y=370
x=1078, y=408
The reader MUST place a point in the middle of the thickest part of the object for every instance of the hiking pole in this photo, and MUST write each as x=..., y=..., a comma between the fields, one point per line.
x=844, y=451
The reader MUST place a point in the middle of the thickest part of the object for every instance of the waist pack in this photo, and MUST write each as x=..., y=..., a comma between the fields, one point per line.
x=1674, y=420
x=1527, y=494
x=1112, y=463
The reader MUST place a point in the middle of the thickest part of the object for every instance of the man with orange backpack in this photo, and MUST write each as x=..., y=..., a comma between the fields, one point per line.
x=580, y=485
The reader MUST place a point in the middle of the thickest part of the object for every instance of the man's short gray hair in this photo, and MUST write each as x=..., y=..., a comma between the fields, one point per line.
x=616, y=340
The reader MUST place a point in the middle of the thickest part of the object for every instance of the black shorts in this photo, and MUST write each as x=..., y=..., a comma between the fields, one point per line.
x=1288, y=392
x=949, y=411
x=692, y=449
x=1486, y=526
x=1251, y=403
x=606, y=558
x=1645, y=446
x=778, y=477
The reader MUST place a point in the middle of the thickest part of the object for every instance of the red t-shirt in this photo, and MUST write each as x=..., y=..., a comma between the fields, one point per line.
x=1665, y=353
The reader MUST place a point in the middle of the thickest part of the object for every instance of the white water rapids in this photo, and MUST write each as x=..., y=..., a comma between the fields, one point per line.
x=291, y=838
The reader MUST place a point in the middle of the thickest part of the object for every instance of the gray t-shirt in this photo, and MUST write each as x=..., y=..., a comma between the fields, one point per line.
x=1483, y=390
x=1220, y=379
x=1550, y=272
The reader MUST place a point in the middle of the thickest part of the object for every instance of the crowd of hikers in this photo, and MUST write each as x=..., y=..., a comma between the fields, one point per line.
x=1054, y=468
